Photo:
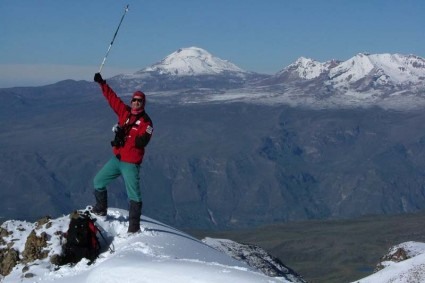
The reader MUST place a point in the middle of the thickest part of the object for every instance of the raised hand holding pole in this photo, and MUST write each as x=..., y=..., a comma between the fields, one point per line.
x=113, y=39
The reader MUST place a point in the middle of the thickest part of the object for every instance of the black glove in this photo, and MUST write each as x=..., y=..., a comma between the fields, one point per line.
x=98, y=78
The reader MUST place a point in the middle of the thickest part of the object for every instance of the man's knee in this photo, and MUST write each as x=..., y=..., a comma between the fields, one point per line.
x=101, y=189
x=98, y=183
x=134, y=195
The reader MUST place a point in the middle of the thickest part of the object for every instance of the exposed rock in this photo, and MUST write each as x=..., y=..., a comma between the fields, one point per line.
x=4, y=232
x=400, y=253
x=44, y=220
x=34, y=247
x=256, y=257
x=56, y=259
x=29, y=275
x=8, y=260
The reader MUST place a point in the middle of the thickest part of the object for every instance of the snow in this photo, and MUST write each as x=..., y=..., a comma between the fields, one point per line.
x=407, y=271
x=411, y=270
x=351, y=70
x=393, y=68
x=159, y=253
x=350, y=99
x=192, y=61
x=307, y=68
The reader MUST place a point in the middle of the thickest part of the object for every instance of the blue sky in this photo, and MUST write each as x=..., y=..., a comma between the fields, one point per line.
x=46, y=41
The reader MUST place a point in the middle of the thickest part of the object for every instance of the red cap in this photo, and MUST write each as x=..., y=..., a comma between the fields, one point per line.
x=139, y=94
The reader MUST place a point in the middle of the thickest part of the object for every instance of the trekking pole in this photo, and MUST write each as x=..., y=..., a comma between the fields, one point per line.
x=113, y=39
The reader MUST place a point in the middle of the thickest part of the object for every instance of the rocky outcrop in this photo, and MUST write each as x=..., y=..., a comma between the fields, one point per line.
x=256, y=257
x=8, y=260
x=400, y=253
x=35, y=247
x=8, y=256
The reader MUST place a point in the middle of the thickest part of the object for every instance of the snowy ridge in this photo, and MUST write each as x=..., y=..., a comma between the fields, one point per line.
x=408, y=268
x=158, y=254
x=394, y=68
x=306, y=68
x=384, y=68
x=255, y=256
x=192, y=61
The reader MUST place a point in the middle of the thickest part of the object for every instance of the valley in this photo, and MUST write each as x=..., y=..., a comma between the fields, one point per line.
x=330, y=251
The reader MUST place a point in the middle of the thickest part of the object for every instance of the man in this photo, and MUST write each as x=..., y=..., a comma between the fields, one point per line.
x=132, y=134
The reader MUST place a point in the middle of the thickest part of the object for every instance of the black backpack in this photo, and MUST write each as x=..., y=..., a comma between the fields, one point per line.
x=81, y=239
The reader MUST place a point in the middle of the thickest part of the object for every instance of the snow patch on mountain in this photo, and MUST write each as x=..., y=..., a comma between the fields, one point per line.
x=192, y=61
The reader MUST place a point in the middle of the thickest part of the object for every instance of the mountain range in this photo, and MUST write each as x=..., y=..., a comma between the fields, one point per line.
x=231, y=148
x=363, y=80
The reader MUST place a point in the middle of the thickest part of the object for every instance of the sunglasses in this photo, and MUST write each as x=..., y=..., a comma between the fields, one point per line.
x=137, y=99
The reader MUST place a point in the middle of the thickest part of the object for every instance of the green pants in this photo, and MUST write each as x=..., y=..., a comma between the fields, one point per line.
x=115, y=168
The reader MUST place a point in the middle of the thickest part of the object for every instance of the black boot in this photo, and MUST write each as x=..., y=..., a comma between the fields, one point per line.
x=134, y=216
x=101, y=202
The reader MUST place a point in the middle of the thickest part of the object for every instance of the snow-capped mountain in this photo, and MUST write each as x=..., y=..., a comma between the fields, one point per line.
x=192, y=61
x=306, y=68
x=385, y=69
x=375, y=70
x=158, y=254
x=186, y=69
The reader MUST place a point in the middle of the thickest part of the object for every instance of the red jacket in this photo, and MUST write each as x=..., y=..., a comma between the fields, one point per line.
x=138, y=128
